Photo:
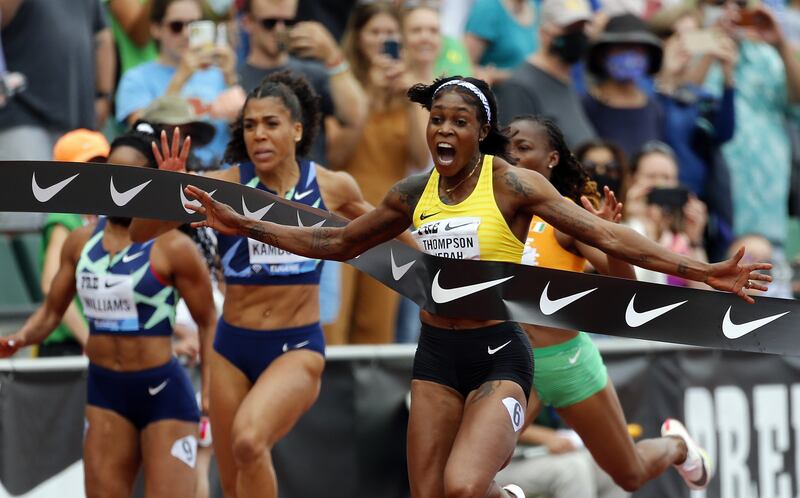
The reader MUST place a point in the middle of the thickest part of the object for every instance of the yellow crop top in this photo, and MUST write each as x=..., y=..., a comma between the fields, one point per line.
x=542, y=249
x=472, y=229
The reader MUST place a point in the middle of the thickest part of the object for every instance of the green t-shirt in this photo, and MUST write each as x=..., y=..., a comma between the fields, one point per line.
x=130, y=54
x=62, y=333
x=453, y=59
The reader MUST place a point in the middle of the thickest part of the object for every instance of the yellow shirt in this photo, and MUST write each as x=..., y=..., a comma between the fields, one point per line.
x=542, y=249
x=472, y=229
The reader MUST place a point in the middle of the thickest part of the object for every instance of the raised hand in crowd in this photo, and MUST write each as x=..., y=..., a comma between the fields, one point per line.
x=695, y=219
x=311, y=40
x=228, y=104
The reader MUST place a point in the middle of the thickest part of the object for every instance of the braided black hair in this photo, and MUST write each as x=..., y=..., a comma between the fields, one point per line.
x=294, y=91
x=568, y=175
x=496, y=142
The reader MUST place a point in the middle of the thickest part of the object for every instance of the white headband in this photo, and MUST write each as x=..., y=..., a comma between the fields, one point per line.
x=472, y=88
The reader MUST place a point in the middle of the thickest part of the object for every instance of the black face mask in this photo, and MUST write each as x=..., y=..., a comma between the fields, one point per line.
x=570, y=47
x=607, y=181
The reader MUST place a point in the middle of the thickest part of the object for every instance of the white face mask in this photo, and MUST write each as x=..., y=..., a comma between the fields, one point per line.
x=712, y=14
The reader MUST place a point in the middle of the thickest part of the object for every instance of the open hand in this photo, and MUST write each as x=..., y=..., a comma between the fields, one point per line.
x=219, y=216
x=10, y=345
x=731, y=276
x=173, y=158
x=611, y=210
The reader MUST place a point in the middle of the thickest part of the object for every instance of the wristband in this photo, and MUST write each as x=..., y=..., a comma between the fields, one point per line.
x=338, y=68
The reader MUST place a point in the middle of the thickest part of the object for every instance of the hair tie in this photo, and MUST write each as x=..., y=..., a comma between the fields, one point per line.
x=472, y=88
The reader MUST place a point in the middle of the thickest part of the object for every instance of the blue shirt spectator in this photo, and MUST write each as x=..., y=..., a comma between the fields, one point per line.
x=146, y=82
x=508, y=41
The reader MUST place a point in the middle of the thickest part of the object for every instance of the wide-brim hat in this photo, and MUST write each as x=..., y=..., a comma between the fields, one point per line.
x=171, y=110
x=625, y=29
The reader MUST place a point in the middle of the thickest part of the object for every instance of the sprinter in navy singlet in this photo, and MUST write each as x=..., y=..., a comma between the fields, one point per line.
x=269, y=347
x=141, y=409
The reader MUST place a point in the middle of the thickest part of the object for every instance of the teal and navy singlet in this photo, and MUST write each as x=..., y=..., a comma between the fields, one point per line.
x=250, y=262
x=123, y=295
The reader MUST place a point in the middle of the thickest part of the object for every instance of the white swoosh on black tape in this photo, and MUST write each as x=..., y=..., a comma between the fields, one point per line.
x=122, y=198
x=257, y=214
x=636, y=319
x=45, y=194
x=442, y=295
x=185, y=200
x=399, y=271
x=734, y=331
x=300, y=223
x=549, y=306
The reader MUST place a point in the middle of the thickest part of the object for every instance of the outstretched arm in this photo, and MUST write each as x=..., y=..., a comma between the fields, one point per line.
x=385, y=222
x=536, y=194
x=47, y=317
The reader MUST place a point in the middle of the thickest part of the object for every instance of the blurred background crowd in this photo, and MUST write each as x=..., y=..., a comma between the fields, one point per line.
x=688, y=111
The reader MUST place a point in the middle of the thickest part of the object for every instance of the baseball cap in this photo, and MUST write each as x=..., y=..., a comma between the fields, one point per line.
x=171, y=110
x=80, y=145
x=565, y=12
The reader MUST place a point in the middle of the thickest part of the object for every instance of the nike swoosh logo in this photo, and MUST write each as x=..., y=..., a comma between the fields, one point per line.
x=300, y=197
x=45, y=194
x=296, y=346
x=130, y=257
x=498, y=348
x=573, y=359
x=185, y=200
x=441, y=295
x=424, y=216
x=113, y=284
x=399, y=271
x=636, y=319
x=735, y=331
x=300, y=223
x=448, y=227
x=155, y=390
x=122, y=198
x=549, y=306
x=255, y=215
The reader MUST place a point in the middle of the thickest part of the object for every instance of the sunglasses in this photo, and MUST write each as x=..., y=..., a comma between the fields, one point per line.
x=269, y=23
x=740, y=3
x=601, y=168
x=177, y=27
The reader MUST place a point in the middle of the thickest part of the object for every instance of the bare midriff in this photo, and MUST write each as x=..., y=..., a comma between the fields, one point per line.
x=271, y=307
x=128, y=353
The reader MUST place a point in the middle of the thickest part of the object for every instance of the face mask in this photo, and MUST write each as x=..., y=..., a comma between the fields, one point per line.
x=712, y=14
x=627, y=66
x=606, y=181
x=570, y=47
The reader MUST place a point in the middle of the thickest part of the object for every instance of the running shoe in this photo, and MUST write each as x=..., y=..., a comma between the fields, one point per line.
x=515, y=490
x=697, y=470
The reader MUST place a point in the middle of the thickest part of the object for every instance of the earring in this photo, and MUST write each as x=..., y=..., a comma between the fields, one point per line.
x=551, y=166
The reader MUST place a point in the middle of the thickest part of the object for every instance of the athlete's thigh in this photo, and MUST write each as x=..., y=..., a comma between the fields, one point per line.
x=493, y=415
x=600, y=422
x=436, y=412
x=282, y=393
x=229, y=386
x=111, y=453
x=169, y=455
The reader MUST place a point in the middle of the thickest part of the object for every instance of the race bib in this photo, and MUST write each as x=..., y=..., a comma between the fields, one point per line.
x=108, y=301
x=277, y=261
x=455, y=238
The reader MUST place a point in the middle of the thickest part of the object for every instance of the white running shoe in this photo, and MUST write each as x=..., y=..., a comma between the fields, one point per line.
x=697, y=470
x=514, y=490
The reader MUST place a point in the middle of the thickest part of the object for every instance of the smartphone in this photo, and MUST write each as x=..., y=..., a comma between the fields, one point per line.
x=672, y=198
x=391, y=47
x=202, y=34
x=701, y=41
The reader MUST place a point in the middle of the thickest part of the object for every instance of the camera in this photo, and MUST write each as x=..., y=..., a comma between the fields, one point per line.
x=673, y=198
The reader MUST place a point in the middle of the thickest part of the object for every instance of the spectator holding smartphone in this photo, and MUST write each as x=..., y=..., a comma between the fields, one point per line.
x=659, y=208
x=767, y=75
x=278, y=42
x=200, y=73
x=392, y=143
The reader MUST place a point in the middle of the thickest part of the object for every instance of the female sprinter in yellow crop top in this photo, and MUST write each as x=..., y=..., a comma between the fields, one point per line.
x=569, y=373
x=464, y=421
